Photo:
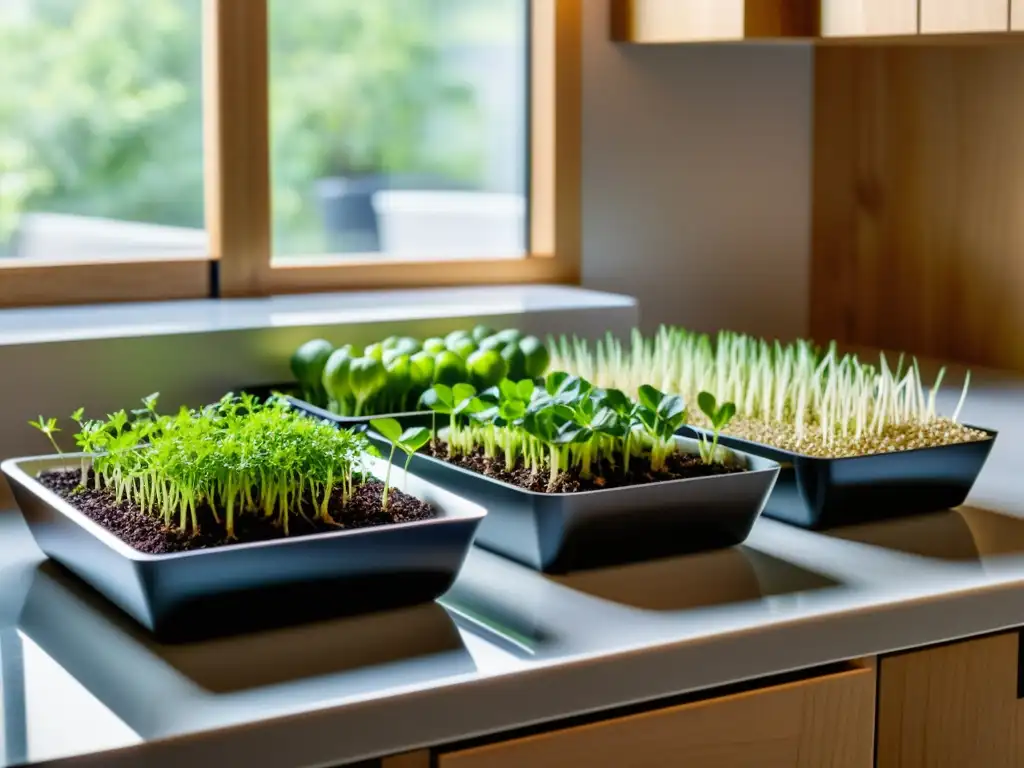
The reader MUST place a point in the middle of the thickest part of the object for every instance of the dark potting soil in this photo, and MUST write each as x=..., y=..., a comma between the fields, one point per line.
x=678, y=466
x=148, y=534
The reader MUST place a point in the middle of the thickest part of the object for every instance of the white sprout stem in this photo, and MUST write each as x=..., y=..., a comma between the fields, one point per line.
x=963, y=398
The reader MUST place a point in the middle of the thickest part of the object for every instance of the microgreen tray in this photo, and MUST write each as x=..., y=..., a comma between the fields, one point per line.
x=561, y=532
x=243, y=587
x=819, y=493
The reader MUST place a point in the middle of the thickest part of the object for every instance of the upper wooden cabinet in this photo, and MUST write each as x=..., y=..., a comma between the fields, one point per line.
x=679, y=21
x=868, y=18
x=692, y=21
x=956, y=16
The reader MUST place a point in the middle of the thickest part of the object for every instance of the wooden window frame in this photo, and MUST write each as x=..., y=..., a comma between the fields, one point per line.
x=236, y=101
x=239, y=177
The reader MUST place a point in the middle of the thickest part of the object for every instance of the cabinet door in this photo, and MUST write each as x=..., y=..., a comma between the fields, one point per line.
x=821, y=722
x=952, y=706
x=868, y=18
x=676, y=21
x=688, y=21
x=954, y=16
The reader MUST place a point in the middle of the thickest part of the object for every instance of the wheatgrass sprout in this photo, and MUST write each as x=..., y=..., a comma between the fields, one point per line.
x=238, y=457
x=795, y=396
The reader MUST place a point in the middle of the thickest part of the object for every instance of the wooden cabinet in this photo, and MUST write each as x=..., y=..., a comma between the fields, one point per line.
x=681, y=21
x=953, y=706
x=958, y=16
x=820, y=722
x=868, y=18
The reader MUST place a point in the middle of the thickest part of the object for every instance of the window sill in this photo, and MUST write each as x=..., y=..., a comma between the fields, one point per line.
x=145, y=319
x=106, y=357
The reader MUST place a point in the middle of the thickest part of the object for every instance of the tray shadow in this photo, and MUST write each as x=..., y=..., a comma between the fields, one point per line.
x=963, y=535
x=720, y=577
x=105, y=650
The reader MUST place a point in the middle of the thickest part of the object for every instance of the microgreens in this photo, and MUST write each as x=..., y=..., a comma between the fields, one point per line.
x=565, y=424
x=817, y=395
x=238, y=456
x=719, y=416
x=410, y=441
x=49, y=428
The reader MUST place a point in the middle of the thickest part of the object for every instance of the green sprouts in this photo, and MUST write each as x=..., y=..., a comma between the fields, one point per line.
x=810, y=398
x=238, y=457
x=565, y=424
x=719, y=417
x=410, y=441
x=49, y=428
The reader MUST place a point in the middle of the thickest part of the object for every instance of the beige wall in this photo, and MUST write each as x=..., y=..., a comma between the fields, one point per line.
x=696, y=179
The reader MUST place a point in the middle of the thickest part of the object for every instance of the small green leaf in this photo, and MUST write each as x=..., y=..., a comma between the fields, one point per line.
x=511, y=410
x=615, y=399
x=650, y=397
x=462, y=392
x=553, y=382
x=77, y=415
x=525, y=389
x=438, y=398
x=509, y=391
x=389, y=428
x=470, y=406
x=725, y=415
x=413, y=439
x=708, y=405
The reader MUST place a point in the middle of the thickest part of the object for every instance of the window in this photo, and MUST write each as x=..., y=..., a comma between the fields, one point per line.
x=101, y=151
x=399, y=128
x=320, y=145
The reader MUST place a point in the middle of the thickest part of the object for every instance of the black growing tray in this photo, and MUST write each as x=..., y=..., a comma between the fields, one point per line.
x=354, y=423
x=819, y=493
x=185, y=596
x=562, y=532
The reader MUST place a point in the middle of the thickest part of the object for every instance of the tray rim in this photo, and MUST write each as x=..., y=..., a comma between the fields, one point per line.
x=991, y=435
x=15, y=473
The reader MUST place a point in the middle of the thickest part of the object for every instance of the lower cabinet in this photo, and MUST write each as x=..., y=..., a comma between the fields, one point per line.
x=952, y=706
x=818, y=722
x=957, y=705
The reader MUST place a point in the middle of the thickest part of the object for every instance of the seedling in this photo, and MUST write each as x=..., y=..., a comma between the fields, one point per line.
x=567, y=424
x=238, y=457
x=410, y=441
x=719, y=416
x=49, y=428
x=811, y=399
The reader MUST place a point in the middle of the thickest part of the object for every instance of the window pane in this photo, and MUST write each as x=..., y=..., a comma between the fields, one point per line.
x=399, y=127
x=101, y=130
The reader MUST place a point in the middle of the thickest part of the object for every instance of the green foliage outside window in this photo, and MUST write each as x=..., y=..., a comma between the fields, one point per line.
x=101, y=113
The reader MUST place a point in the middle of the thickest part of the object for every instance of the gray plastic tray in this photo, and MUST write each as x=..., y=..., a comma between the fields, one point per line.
x=242, y=587
x=560, y=532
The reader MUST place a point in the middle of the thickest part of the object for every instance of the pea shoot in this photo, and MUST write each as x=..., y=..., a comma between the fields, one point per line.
x=561, y=425
x=719, y=416
x=410, y=441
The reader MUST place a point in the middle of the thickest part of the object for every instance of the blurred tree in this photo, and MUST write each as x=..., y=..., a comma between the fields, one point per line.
x=101, y=105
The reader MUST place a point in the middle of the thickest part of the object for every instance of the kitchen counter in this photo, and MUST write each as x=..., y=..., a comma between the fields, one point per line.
x=507, y=647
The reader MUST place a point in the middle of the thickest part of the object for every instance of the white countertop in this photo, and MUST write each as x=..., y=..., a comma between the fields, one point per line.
x=510, y=647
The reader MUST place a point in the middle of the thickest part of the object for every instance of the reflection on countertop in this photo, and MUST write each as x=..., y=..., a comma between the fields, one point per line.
x=108, y=653
x=722, y=577
x=966, y=536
